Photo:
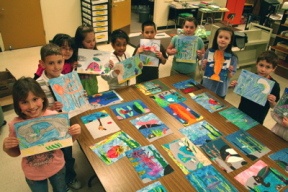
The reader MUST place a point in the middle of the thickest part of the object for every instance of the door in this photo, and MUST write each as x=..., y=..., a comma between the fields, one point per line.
x=21, y=24
x=120, y=15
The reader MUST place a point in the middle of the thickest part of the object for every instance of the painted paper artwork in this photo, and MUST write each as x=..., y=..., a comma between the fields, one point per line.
x=253, y=87
x=223, y=155
x=186, y=155
x=43, y=134
x=281, y=158
x=207, y=101
x=148, y=163
x=261, y=177
x=152, y=87
x=150, y=46
x=281, y=108
x=186, y=49
x=165, y=98
x=183, y=113
x=128, y=68
x=154, y=187
x=187, y=86
x=99, y=124
x=247, y=144
x=93, y=61
x=129, y=109
x=209, y=179
x=238, y=118
x=113, y=148
x=68, y=90
x=201, y=133
x=151, y=127
x=104, y=99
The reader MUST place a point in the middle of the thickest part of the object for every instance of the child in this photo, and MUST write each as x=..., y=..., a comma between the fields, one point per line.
x=85, y=38
x=219, y=54
x=52, y=62
x=266, y=64
x=189, y=69
x=30, y=102
x=281, y=126
x=150, y=73
x=119, y=41
x=67, y=45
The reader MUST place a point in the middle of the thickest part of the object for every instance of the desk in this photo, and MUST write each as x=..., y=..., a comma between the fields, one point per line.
x=174, y=12
x=121, y=176
x=204, y=11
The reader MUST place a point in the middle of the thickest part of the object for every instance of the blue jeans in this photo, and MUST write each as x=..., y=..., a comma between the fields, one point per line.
x=69, y=164
x=57, y=181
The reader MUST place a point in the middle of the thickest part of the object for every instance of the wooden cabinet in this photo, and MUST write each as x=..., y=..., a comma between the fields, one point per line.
x=280, y=46
x=95, y=13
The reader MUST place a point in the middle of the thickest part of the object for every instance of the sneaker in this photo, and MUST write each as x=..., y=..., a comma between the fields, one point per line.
x=75, y=184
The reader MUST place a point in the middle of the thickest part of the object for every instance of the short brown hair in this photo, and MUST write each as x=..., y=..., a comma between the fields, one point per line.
x=49, y=49
x=270, y=57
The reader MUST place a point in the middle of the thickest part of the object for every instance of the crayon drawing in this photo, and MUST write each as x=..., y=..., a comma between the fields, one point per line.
x=165, y=98
x=207, y=101
x=281, y=158
x=113, y=148
x=152, y=87
x=186, y=155
x=93, y=61
x=201, y=133
x=247, y=144
x=183, y=113
x=99, y=124
x=43, y=134
x=129, y=109
x=223, y=155
x=261, y=177
x=150, y=46
x=151, y=127
x=207, y=179
x=281, y=108
x=68, y=90
x=253, y=87
x=238, y=118
x=104, y=99
x=187, y=86
x=186, y=49
x=154, y=187
x=148, y=163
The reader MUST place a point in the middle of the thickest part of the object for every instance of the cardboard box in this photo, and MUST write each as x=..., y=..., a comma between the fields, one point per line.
x=7, y=81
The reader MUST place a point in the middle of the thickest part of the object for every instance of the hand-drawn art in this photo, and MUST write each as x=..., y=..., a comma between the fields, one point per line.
x=104, y=99
x=43, y=134
x=281, y=108
x=223, y=155
x=247, y=144
x=208, y=179
x=128, y=68
x=253, y=87
x=150, y=46
x=148, y=163
x=217, y=65
x=99, y=124
x=165, y=98
x=207, y=101
x=186, y=49
x=129, y=109
x=238, y=118
x=113, y=148
x=68, y=90
x=281, y=158
x=93, y=61
x=152, y=87
x=187, y=86
x=201, y=133
x=156, y=187
x=186, y=155
x=261, y=177
x=151, y=127
x=183, y=113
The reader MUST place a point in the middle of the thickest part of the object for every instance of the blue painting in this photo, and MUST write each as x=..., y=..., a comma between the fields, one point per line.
x=187, y=86
x=152, y=87
x=154, y=187
x=281, y=158
x=186, y=49
x=165, y=98
x=207, y=101
x=104, y=99
x=281, y=108
x=253, y=87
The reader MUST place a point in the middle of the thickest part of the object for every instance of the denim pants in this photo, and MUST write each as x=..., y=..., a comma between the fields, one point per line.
x=69, y=164
x=57, y=181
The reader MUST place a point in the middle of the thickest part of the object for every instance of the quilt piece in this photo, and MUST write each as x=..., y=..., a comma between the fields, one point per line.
x=152, y=87
x=207, y=101
x=187, y=86
x=104, y=99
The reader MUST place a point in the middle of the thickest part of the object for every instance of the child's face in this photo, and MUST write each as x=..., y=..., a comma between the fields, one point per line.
x=89, y=41
x=53, y=65
x=149, y=32
x=66, y=51
x=223, y=39
x=264, y=68
x=189, y=28
x=119, y=46
x=32, y=106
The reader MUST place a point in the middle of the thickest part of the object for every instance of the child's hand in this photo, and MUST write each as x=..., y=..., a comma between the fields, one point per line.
x=10, y=142
x=111, y=64
x=117, y=71
x=140, y=50
x=233, y=83
x=158, y=54
x=200, y=54
x=57, y=106
x=75, y=65
x=272, y=100
x=172, y=51
x=285, y=121
x=230, y=71
x=74, y=131
x=203, y=63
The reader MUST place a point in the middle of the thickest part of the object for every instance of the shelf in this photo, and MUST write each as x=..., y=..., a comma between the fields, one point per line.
x=256, y=42
x=280, y=49
x=284, y=25
x=283, y=64
x=282, y=37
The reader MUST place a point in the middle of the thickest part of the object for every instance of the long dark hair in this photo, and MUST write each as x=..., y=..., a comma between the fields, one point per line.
x=229, y=47
x=80, y=35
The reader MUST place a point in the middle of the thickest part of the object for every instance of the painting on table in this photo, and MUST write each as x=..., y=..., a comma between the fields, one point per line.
x=156, y=187
x=104, y=99
x=152, y=87
x=281, y=158
x=165, y=98
x=187, y=86
x=207, y=101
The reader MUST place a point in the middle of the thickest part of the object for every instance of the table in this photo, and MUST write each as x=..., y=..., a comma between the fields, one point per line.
x=175, y=11
x=121, y=176
x=204, y=11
